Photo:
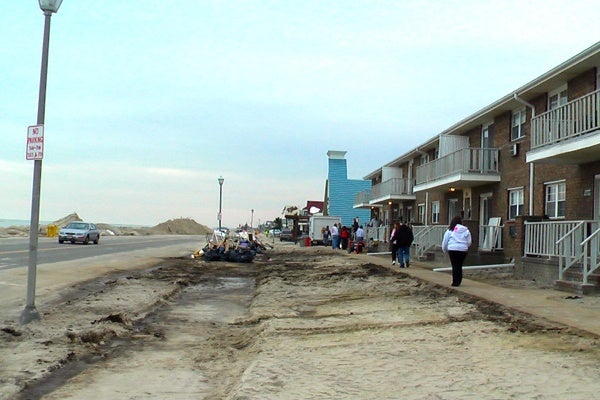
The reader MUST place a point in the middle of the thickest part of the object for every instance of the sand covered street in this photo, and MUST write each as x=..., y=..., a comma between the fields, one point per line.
x=297, y=323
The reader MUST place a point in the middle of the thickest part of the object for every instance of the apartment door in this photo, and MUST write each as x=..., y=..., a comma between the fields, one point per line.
x=485, y=202
x=452, y=209
x=597, y=198
x=487, y=143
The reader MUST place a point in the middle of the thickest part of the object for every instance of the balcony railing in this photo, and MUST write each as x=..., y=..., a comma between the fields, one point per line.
x=391, y=187
x=463, y=161
x=574, y=119
x=362, y=198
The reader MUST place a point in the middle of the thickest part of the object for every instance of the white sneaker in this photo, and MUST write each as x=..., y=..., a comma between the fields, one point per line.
x=393, y=262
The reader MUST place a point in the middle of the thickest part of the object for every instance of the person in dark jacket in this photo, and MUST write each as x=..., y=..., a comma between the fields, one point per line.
x=345, y=235
x=404, y=238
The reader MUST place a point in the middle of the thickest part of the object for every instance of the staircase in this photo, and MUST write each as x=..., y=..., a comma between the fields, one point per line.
x=579, y=261
x=572, y=282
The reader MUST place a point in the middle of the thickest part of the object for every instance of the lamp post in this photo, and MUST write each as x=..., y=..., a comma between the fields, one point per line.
x=30, y=313
x=251, y=218
x=221, y=180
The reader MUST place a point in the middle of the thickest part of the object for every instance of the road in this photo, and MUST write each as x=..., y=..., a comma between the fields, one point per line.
x=14, y=252
x=62, y=265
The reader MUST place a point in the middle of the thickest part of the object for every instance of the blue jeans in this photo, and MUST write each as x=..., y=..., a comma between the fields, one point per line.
x=335, y=242
x=403, y=254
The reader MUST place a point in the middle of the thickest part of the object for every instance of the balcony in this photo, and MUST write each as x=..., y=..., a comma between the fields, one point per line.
x=392, y=189
x=569, y=134
x=468, y=167
x=361, y=199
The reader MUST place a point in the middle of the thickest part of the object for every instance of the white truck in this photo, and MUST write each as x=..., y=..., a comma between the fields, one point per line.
x=315, y=225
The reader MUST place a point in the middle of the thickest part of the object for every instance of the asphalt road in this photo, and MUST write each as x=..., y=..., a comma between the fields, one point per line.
x=14, y=252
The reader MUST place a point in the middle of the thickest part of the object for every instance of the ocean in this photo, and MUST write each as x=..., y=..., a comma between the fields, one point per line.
x=5, y=223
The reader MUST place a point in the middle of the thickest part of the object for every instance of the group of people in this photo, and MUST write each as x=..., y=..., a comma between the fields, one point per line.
x=340, y=235
x=456, y=242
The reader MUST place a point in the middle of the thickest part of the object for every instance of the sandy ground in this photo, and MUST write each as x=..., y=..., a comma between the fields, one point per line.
x=297, y=323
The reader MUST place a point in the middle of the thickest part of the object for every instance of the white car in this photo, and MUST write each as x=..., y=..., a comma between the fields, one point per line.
x=78, y=231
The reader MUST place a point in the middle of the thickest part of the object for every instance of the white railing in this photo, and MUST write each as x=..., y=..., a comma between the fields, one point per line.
x=591, y=250
x=541, y=237
x=570, y=251
x=469, y=160
x=394, y=186
x=572, y=242
x=379, y=234
x=427, y=238
x=362, y=198
x=573, y=119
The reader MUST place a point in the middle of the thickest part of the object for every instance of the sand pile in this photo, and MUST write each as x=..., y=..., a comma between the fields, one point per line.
x=179, y=226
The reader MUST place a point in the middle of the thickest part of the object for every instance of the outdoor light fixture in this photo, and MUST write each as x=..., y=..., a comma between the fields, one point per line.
x=452, y=189
x=50, y=6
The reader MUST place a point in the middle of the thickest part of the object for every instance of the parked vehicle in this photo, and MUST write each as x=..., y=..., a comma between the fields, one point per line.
x=286, y=235
x=316, y=223
x=275, y=232
x=78, y=231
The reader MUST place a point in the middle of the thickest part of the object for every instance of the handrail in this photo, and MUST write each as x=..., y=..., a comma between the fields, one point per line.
x=593, y=264
x=570, y=232
x=596, y=232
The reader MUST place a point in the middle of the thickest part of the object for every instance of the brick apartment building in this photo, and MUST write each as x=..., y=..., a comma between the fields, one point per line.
x=523, y=172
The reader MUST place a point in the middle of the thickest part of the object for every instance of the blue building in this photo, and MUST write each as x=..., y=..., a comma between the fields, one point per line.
x=340, y=191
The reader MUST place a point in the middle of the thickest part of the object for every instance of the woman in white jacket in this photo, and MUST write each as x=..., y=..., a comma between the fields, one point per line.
x=456, y=243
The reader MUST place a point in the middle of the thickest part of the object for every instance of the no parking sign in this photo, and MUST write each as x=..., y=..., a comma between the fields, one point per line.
x=35, y=142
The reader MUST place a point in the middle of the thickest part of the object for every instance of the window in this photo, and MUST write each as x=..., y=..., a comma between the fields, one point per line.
x=517, y=129
x=421, y=211
x=515, y=202
x=557, y=98
x=435, y=212
x=556, y=199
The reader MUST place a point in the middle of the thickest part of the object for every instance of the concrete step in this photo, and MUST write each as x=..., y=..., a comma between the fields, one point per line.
x=577, y=287
x=577, y=275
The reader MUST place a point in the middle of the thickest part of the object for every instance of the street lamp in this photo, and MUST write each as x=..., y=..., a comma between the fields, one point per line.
x=30, y=313
x=251, y=218
x=221, y=180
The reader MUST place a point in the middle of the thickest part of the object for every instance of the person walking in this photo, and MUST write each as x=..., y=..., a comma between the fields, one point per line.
x=456, y=242
x=344, y=236
x=404, y=239
x=360, y=234
x=335, y=237
x=394, y=242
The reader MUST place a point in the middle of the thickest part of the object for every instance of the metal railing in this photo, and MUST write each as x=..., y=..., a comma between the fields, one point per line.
x=427, y=238
x=541, y=237
x=394, y=186
x=468, y=160
x=362, y=198
x=573, y=119
x=569, y=249
x=591, y=259
x=379, y=234
x=574, y=243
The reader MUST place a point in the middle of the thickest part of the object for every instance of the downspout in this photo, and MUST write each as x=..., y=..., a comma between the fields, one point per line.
x=426, y=207
x=531, y=167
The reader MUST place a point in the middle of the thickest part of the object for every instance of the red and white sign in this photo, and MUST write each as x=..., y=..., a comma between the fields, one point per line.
x=35, y=142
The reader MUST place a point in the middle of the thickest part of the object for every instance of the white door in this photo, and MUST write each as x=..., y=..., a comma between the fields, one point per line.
x=597, y=198
x=484, y=208
x=452, y=209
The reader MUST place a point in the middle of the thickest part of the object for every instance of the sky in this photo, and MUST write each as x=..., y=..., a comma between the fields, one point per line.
x=149, y=102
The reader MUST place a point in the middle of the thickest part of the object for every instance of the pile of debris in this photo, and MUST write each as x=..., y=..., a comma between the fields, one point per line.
x=221, y=247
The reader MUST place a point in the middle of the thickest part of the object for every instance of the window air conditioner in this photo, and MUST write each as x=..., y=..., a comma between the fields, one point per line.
x=514, y=149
